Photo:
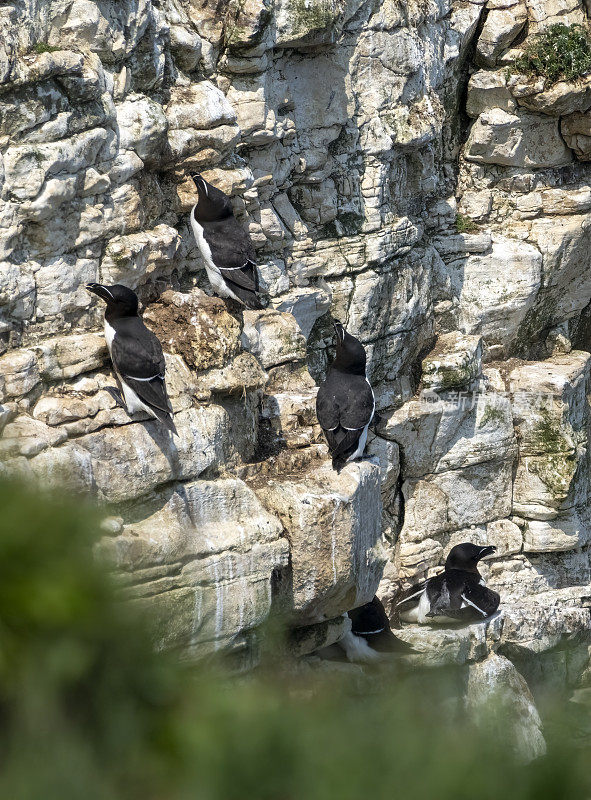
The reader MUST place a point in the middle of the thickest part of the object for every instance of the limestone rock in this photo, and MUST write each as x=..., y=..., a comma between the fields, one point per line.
x=500, y=29
x=455, y=361
x=273, y=337
x=559, y=99
x=128, y=462
x=497, y=289
x=142, y=127
x=19, y=372
x=488, y=89
x=332, y=522
x=201, y=555
x=68, y=356
x=300, y=23
x=517, y=140
x=139, y=255
x=496, y=681
x=576, y=129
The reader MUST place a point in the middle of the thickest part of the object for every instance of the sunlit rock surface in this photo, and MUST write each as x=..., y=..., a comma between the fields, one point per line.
x=396, y=173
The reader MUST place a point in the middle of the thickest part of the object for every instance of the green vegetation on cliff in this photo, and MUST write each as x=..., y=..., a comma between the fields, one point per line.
x=561, y=52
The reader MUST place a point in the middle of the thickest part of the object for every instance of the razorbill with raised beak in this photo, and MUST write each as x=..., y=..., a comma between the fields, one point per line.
x=345, y=403
x=136, y=354
x=458, y=594
x=225, y=245
x=371, y=638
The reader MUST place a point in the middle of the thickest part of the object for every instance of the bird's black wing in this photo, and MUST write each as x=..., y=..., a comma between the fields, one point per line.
x=327, y=409
x=483, y=600
x=356, y=403
x=138, y=358
x=444, y=593
x=341, y=442
x=369, y=618
x=345, y=401
x=410, y=595
x=344, y=406
x=460, y=595
x=230, y=244
x=244, y=282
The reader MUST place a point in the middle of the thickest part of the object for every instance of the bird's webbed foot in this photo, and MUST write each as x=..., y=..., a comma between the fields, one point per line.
x=117, y=397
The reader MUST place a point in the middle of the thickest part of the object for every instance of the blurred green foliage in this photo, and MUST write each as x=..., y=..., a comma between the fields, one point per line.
x=560, y=52
x=89, y=710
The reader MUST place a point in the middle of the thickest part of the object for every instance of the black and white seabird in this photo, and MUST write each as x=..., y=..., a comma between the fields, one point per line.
x=136, y=354
x=225, y=245
x=458, y=594
x=345, y=403
x=371, y=638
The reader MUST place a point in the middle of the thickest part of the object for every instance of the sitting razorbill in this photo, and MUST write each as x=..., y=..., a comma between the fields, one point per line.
x=371, y=638
x=458, y=594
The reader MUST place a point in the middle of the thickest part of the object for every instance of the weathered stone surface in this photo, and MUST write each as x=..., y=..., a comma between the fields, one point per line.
x=338, y=131
x=496, y=681
x=512, y=140
x=576, y=129
x=500, y=29
x=454, y=362
x=559, y=99
x=488, y=89
x=333, y=525
x=273, y=337
x=551, y=480
x=201, y=554
x=497, y=289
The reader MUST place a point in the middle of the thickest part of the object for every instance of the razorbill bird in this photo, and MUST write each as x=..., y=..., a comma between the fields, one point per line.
x=136, y=354
x=345, y=402
x=225, y=245
x=458, y=594
x=371, y=638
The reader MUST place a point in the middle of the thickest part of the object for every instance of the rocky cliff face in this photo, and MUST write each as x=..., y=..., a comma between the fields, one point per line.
x=394, y=173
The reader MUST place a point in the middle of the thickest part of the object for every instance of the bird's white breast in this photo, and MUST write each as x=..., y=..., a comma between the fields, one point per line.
x=215, y=277
x=132, y=401
x=357, y=649
x=109, y=335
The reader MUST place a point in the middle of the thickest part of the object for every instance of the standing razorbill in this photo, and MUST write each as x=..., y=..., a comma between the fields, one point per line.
x=458, y=594
x=136, y=354
x=345, y=403
x=225, y=245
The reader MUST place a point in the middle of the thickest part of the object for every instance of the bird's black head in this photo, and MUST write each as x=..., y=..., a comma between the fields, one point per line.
x=121, y=301
x=350, y=356
x=212, y=204
x=466, y=556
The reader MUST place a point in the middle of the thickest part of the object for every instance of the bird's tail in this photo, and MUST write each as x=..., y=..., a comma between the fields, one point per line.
x=257, y=303
x=165, y=417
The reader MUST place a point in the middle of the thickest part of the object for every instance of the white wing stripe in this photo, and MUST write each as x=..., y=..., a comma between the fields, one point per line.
x=470, y=603
x=145, y=379
x=410, y=597
x=229, y=269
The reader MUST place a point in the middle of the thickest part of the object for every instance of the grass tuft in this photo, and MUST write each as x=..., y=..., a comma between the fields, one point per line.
x=43, y=47
x=465, y=225
x=561, y=52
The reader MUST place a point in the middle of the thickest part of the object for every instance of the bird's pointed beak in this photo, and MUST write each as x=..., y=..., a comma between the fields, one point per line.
x=100, y=291
x=486, y=551
x=339, y=331
x=200, y=183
